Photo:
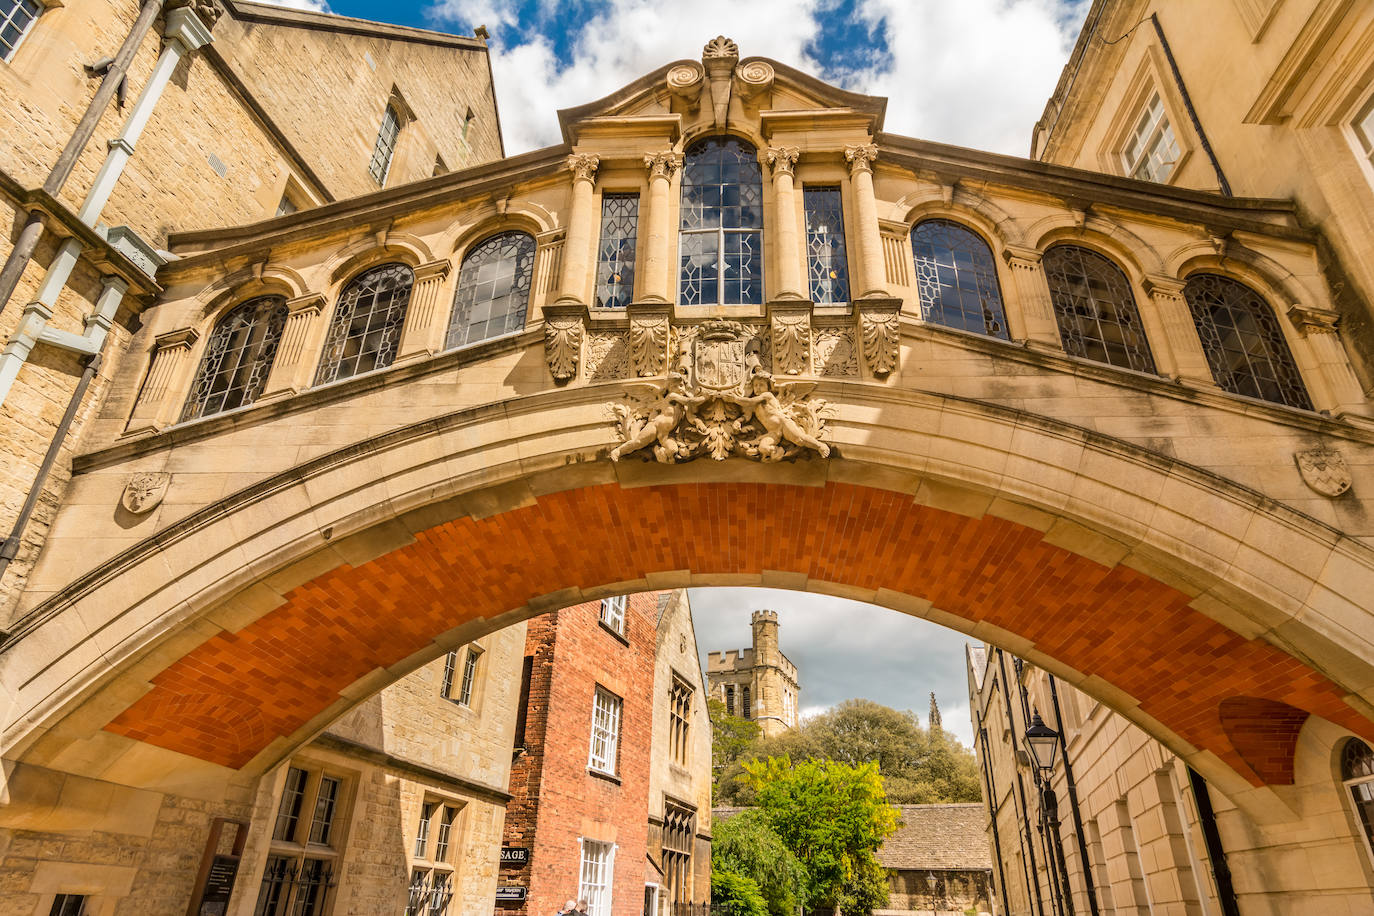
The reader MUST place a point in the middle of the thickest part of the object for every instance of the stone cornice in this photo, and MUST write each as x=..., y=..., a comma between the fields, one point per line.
x=270, y=14
x=448, y=780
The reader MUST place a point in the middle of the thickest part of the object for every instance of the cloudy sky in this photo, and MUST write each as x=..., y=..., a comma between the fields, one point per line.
x=845, y=649
x=970, y=72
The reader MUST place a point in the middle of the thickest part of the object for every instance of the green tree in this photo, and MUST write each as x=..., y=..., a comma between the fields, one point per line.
x=746, y=845
x=833, y=817
x=735, y=895
x=731, y=736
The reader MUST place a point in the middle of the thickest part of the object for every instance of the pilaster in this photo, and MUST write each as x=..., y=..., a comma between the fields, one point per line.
x=1030, y=313
x=1337, y=381
x=860, y=157
x=880, y=335
x=426, y=320
x=166, y=376
x=565, y=328
x=1185, y=359
x=292, y=366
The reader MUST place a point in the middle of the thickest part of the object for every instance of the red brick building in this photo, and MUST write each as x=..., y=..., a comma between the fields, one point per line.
x=580, y=780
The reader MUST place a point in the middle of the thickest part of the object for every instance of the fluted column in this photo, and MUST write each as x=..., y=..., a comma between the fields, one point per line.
x=426, y=319
x=293, y=362
x=783, y=161
x=1031, y=314
x=158, y=398
x=861, y=157
x=1189, y=362
x=1342, y=389
x=661, y=167
x=577, y=251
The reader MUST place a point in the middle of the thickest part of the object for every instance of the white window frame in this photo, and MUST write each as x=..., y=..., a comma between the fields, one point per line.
x=597, y=895
x=613, y=613
x=1151, y=130
x=8, y=16
x=605, y=741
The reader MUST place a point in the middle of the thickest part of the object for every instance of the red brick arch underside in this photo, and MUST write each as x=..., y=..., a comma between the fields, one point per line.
x=228, y=698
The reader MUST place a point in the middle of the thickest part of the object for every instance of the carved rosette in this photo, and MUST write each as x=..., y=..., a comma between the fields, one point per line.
x=792, y=342
x=861, y=156
x=782, y=160
x=648, y=342
x=662, y=165
x=879, y=329
x=144, y=491
x=583, y=166
x=564, y=329
x=1324, y=470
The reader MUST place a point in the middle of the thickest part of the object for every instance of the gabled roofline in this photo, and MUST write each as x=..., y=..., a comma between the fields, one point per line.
x=246, y=11
x=650, y=82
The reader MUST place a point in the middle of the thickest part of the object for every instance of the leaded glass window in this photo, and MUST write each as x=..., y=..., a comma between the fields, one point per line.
x=1357, y=772
x=493, y=289
x=615, y=265
x=826, y=266
x=237, y=358
x=721, y=244
x=956, y=278
x=1151, y=151
x=1095, y=309
x=385, y=147
x=366, y=328
x=1244, y=343
x=16, y=16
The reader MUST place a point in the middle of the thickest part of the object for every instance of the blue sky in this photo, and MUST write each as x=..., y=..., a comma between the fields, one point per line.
x=971, y=72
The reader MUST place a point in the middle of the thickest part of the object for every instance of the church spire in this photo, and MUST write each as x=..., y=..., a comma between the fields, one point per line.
x=934, y=715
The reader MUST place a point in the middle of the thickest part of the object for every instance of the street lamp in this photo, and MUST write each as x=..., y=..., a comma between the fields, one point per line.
x=1042, y=742
x=930, y=883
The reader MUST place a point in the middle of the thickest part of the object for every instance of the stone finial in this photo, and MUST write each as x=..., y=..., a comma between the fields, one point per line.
x=481, y=33
x=583, y=166
x=720, y=47
x=783, y=159
x=861, y=156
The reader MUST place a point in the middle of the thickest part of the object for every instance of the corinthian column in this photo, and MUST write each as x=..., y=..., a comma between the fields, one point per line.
x=577, y=251
x=783, y=161
x=155, y=403
x=661, y=167
x=871, y=277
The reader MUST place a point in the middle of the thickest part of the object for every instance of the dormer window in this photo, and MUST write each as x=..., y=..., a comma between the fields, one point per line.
x=721, y=245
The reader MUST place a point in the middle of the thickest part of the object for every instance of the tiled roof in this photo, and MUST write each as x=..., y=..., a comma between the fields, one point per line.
x=950, y=837
x=939, y=836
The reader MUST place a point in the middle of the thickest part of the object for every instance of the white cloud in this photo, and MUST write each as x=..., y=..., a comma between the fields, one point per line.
x=975, y=73
x=314, y=6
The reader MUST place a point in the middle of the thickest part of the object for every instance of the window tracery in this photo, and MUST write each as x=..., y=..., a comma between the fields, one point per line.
x=827, y=266
x=956, y=278
x=615, y=272
x=366, y=327
x=493, y=289
x=721, y=243
x=1243, y=341
x=1095, y=310
x=238, y=358
x=1357, y=774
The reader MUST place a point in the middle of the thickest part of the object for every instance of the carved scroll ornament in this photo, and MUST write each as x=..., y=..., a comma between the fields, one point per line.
x=563, y=344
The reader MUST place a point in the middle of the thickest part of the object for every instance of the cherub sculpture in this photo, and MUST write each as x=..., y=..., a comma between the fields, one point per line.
x=781, y=422
x=654, y=421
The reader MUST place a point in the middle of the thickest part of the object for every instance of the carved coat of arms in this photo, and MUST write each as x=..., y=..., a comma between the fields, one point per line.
x=725, y=405
x=1324, y=470
x=144, y=491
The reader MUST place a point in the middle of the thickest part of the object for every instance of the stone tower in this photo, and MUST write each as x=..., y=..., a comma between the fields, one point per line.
x=758, y=683
x=934, y=715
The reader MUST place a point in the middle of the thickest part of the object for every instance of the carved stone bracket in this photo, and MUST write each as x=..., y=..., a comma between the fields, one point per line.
x=686, y=80
x=790, y=328
x=719, y=57
x=649, y=324
x=879, y=329
x=565, y=325
x=1310, y=320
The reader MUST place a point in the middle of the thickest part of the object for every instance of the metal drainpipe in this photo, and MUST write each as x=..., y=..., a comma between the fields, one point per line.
x=1028, y=841
x=1221, y=871
x=1073, y=799
x=29, y=236
x=992, y=809
x=1188, y=105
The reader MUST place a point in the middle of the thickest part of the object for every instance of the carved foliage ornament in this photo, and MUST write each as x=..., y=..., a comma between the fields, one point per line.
x=783, y=159
x=729, y=406
x=791, y=343
x=662, y=165
x=562, y=344
x=1324, y=470
x=207, y=11
x=720, y=46
x=144, y=491
x=861, y=156
x=881, y=341
x=649, y=345
x=583, y=166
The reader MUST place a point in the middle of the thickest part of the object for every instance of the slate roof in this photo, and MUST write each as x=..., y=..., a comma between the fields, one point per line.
x=946, y=837
x=939, y=837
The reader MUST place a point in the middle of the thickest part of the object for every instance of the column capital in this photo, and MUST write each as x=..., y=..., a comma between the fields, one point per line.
x=182, y=338
x=433, y=270
x=1156, y=286
x=1018, y=256
x=583, y=166
x=861, y=156
x=1310, y=320
x=783, y=159
x=310, y=303
x=662, y=165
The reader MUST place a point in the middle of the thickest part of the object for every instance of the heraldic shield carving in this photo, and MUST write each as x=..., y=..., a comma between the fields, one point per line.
x=721, y=403
x=1324, y=470
x=144, y=491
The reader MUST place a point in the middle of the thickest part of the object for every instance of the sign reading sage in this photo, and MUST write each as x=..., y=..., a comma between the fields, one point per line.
x=510, y=855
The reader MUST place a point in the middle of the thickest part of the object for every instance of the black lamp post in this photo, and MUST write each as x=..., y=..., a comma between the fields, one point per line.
x=930, y=883
x=1042, y=742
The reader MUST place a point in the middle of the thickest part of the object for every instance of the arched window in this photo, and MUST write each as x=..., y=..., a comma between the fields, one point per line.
x=1245, y=347
x=721, y=245
x=237, y=358
x=1357, y=773
x=956, y=278
x=493, y=289
x=1095, y=310
x=366, y=327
